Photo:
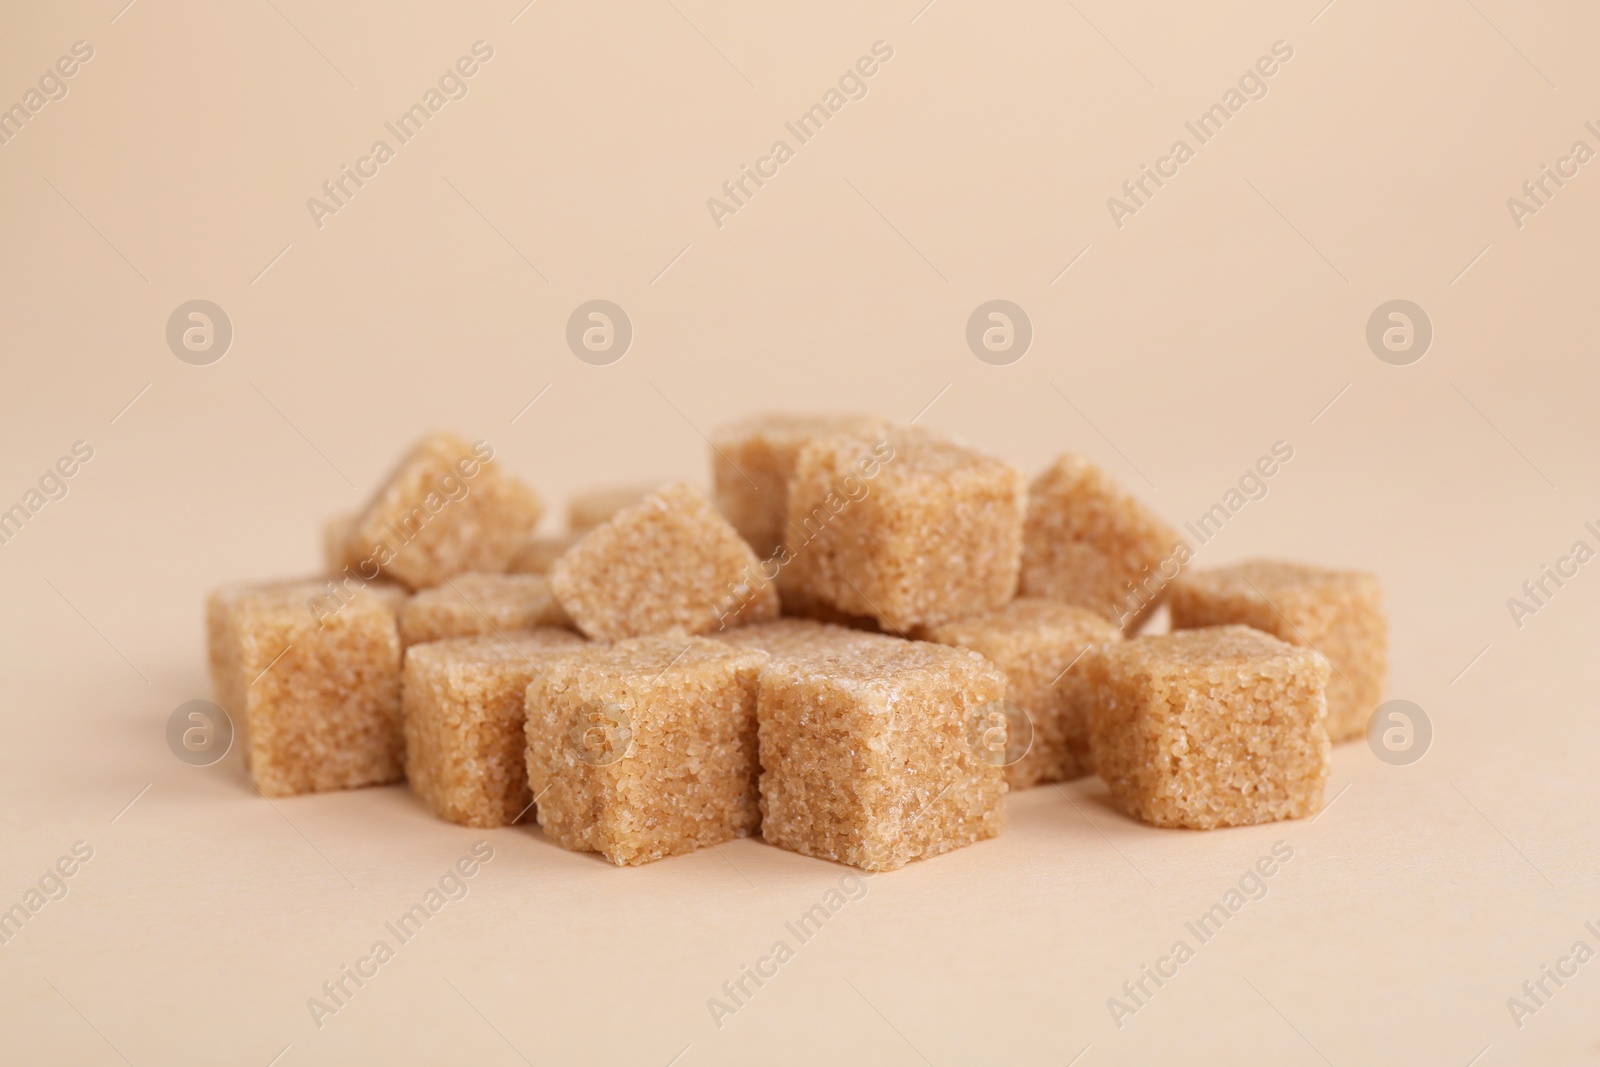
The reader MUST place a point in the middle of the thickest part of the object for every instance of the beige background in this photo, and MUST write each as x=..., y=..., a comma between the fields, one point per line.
x=1224, y=316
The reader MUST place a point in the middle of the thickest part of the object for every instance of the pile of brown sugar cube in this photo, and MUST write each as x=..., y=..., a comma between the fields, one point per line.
x=855, y=648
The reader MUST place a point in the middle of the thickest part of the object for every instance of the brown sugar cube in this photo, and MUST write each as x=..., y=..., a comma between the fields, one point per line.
x=1338, y=613
x=1040, y=645
x=1087, y=542
x=590, y=508
x=224, y=648
x=753, y=460
x=668, y=562
x=538, y=554
x=447, y=509
x=909, y=529
x=311, y=681
x=470, y=605
x=464, y=703
x=646, y=748
x=870, y=751
x=335, y=536
x=1222, y=726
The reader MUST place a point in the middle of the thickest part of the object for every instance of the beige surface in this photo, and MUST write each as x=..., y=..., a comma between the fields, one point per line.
x=1219, y=319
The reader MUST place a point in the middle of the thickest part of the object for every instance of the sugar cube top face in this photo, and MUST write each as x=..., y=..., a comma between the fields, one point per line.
x=1041, y=646
x=753, y=460
x=909, y=529
x=646, y=748
x=1339, y=613
x=312, y=683
x=590, y=508
x=472, y=604
x=538, y=554
x=464, y=706
x=1087, y=542
x=669, y=562
x=1222, y=726
x=871, y=751
x=447, y=509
